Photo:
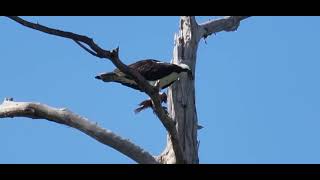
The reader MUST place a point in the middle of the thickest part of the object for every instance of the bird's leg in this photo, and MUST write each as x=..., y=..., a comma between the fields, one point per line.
x=163, y=98
x=157, y=85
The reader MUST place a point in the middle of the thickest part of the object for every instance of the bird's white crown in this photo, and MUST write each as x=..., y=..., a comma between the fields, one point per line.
x=184, y=66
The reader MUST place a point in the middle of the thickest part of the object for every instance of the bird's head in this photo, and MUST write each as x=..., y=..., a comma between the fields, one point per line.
x=186, y=68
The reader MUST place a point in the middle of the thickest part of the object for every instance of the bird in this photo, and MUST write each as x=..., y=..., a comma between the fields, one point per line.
x=157, y=73
x=152, y=70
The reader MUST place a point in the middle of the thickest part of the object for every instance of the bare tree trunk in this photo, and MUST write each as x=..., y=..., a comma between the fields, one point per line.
x=181, y=95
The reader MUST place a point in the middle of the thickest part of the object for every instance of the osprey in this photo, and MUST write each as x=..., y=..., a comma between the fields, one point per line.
x=156, y=73
x=151, y=70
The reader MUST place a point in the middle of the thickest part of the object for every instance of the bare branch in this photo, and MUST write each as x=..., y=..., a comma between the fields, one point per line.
x=86, y=49
x=32, y=110
x=99, y=52
x=113, y=55
x=229, y=23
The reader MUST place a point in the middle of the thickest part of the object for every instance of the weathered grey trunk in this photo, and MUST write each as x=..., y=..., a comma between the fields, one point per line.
x=181, y=95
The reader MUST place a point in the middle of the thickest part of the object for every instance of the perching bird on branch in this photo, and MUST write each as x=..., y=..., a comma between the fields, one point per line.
x=157, y=73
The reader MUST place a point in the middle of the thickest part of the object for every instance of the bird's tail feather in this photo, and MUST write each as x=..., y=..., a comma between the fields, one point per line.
x=107, y=77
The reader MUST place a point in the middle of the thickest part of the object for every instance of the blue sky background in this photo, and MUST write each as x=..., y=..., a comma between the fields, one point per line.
x=257, y=89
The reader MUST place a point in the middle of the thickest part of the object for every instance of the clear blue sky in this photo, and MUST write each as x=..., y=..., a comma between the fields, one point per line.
x=257, y=89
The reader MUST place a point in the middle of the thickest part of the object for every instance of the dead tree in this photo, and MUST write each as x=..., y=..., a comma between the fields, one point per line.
x=181, y=123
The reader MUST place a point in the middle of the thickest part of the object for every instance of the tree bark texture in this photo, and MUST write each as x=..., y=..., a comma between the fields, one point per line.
x=181, y=95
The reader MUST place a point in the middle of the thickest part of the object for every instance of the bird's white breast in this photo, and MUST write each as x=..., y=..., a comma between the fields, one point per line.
x=166, y=80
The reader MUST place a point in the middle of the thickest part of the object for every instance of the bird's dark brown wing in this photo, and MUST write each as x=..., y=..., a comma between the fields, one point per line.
x=153, y=69
x=150, y=69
